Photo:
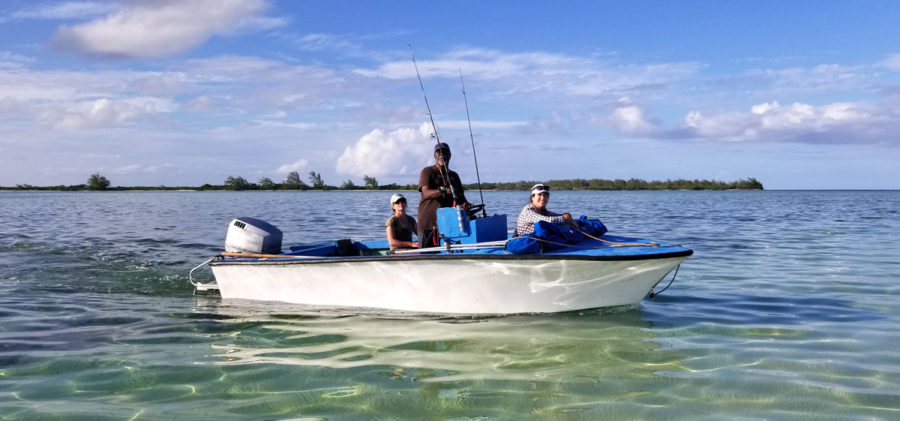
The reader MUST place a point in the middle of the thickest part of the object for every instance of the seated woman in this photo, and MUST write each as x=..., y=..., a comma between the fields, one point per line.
x=536, y=210
x=400, y=226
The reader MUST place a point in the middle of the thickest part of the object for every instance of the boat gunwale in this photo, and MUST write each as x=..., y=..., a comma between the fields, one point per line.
x=288, y=260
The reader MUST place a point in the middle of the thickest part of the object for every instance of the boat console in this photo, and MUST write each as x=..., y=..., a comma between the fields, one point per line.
x=457, y=228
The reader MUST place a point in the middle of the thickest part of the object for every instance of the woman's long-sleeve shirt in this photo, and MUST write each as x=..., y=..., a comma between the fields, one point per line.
x=529, y=215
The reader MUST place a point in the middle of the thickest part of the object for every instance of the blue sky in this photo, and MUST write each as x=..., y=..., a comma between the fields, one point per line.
x=798, y=94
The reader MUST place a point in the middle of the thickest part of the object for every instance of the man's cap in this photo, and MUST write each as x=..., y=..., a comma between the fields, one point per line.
x=539, y=188
x=440, y=146
x=396, y=198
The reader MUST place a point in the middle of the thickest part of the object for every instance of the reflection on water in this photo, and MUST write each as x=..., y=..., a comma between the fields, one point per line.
x=575, y=347
x=286, y=359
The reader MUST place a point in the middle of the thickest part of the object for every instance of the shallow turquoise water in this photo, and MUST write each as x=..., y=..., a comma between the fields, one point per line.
x=788, y=310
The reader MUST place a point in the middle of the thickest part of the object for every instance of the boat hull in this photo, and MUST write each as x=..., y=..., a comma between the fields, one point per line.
x=448, y=284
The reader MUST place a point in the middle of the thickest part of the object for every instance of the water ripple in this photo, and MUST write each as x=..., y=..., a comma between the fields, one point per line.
x=786, y=310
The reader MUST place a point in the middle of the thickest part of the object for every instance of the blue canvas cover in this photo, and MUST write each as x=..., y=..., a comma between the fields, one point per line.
x=523, y=245
x=554, y=236
x=591, y=226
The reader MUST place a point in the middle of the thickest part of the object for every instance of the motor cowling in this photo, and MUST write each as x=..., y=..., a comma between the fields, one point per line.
x=251, y=235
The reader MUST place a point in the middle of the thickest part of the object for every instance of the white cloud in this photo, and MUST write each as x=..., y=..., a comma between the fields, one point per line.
x=821, y=78
x=13, y=61
x=233, y=68
x=138, y=169
x=724, y=127
x=481, y=124
x=80, y=99
x=298, y=165
x=102, y=112
x=533, y=73
x=200, y=103
x=65, y=10
x=156, y=29
x=830, y=123
x=259, y=23
x=892, y=62
x=283, y=124
x=630, y=119
x=93, y=99
x=481, y=63
x=323, y=42
x=839, y=122
x=553, y=123
x=380, y=153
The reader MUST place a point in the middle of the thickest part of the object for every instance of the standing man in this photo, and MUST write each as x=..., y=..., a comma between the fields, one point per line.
x=436, y=193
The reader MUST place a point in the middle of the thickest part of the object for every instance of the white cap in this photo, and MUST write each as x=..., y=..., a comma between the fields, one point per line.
x=539, y=188
x=396, y=198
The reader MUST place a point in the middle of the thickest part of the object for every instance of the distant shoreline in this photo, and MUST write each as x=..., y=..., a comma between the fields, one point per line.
x=138, y=189
x=557, y=185
x=135, y=189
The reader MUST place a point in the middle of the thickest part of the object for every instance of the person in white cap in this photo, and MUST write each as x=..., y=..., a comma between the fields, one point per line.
x=536, y=210
x=400, y=226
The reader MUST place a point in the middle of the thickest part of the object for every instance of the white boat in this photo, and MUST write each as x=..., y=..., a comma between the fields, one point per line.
x=477, y=271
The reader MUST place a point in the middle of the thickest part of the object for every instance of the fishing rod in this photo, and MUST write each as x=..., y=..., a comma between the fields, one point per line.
x=444, y=176
x=472, y=137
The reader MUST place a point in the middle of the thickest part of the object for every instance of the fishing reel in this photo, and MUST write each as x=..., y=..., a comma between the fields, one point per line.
x=472, y=213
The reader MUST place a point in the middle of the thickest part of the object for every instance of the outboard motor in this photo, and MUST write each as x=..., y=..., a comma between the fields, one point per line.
x=251, y=235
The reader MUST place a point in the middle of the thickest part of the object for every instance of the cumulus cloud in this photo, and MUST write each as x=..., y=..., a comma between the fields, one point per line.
x=725, y=126
x=157, y=28
x=380, y=153
x=840, y=122
x=808, y=117
x=81, y=100
x=798, y=122
x=630, y=119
